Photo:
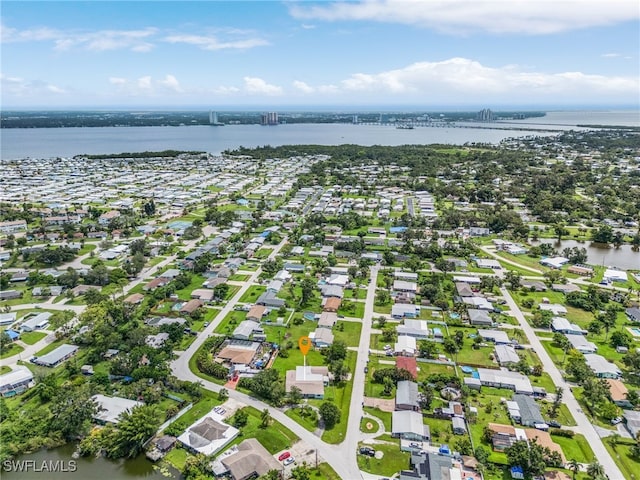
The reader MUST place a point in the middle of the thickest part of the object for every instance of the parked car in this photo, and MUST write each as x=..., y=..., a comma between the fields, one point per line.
x=206, y=324
x=366, y=369
x=284, y=456
x=288, y=461
x=415, y=445
x=615, y=421
x=367, y=451
x=554, y=424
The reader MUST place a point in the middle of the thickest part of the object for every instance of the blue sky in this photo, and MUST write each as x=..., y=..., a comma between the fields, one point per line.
x=419, y=53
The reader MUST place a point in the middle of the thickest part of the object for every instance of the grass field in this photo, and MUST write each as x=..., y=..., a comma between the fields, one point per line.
x=392, y=461
x=32, y=337
x=252, y=294
x=621, y=454
x=575, y=448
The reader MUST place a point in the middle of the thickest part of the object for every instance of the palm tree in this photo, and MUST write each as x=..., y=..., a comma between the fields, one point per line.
x=574, y=466
x=595, y=470
x=266, y=418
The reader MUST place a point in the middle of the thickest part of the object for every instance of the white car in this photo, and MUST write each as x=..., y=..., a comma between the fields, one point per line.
x=288, y=461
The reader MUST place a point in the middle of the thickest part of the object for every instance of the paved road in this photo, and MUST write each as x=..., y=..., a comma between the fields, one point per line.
x=585, y=426
x=357, y=394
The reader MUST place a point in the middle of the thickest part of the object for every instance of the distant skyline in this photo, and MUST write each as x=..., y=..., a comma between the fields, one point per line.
x=420, y=54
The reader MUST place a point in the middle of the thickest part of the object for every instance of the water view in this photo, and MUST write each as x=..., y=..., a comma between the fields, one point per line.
x=87, y=468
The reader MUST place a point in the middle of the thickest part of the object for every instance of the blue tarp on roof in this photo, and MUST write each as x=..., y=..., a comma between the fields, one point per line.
x=13, y=335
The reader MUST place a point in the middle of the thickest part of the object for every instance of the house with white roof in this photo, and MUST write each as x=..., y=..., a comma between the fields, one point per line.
x=110, y=408
x=208, y=435
x=405, y=346
x=602, y=368
x=554, y=262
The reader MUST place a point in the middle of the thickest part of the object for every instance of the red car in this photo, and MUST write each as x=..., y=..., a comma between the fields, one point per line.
x=284, y=456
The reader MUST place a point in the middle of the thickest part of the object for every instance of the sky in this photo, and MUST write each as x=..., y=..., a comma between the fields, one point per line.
x=413, y=53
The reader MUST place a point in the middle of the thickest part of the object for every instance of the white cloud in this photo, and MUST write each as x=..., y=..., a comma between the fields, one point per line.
x=303, y=87
x=102, y=40
x=257, y=86
x=140, y=40
x=307, y=26
x=465, y=80
x=222, y=90
x=117, y=81
x=171, y=83
x=611, y=55
x=212, y=42
x=464, y=16
x=144, y=83
x=20, y=87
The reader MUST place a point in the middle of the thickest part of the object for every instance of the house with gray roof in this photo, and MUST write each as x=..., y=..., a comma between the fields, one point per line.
x=479, y=317
x=407, y=396
x=57, y=356
x=506, y=355
x=250, y=460
x=408, y=425
x=528, y=411
x=430, y=466
x=269, y=299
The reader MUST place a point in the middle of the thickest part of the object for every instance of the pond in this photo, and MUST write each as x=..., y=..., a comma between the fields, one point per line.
x=85, y=468
x=601, y=254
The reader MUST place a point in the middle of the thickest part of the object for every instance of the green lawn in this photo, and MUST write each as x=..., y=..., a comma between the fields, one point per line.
x=575, y=448
x=350, y=308
x=274, y=438
x=341, y=396
x=252, y=294
x=369, y=426
x=177, y=458
x=621, y=454
x=384, y=416
x=349, y=332
x=479, y=357
x=203, y=406
x=4, y=369
x=11, y=350
x=294, y=413
x=325, y=472
x=196, y=282
x=392, y=461
x=231, y=321
x=239, y=277
x=32, y=337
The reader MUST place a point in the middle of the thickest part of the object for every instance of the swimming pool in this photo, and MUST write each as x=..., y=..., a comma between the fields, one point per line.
x=635, y=331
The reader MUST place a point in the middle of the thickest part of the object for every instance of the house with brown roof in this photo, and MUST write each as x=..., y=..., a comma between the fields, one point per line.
x=332, y=304
x=134, y=299
x=191, y=306
x=408, y=363
x=251, y=460
x=155, y=283
x=618, y=392
x=256, y=313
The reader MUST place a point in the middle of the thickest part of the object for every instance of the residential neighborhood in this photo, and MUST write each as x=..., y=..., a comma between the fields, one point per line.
x=450, y=335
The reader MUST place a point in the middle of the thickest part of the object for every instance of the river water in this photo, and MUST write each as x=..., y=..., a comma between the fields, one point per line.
x=65, y=142
x=598, y=254
x=86, y=468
